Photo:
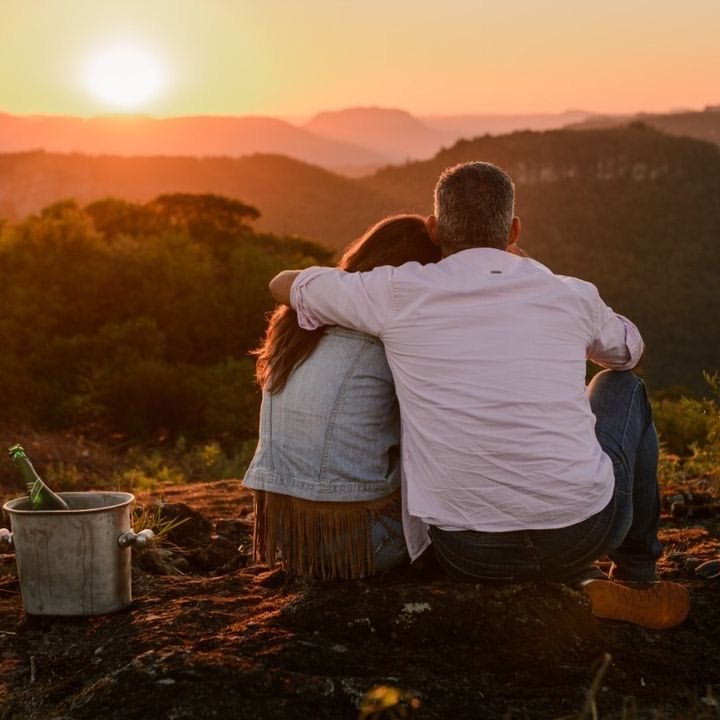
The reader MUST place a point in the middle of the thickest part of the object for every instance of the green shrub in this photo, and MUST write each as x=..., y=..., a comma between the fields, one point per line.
x=682, y=423
x=705, y=459
x=689, y=432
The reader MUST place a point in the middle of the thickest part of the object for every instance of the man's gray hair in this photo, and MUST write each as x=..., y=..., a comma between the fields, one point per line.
x=474, y=205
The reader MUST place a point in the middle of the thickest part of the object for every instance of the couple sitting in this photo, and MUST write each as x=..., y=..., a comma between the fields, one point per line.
x=511, y=468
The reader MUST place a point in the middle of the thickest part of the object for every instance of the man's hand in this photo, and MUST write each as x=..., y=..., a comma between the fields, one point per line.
x=281, y=284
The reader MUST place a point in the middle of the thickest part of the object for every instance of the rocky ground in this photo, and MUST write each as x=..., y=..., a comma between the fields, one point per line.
x=209, y=634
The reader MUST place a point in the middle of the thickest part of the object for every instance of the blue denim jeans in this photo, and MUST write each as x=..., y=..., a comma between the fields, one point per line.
x=625, y=530
x=388, y=544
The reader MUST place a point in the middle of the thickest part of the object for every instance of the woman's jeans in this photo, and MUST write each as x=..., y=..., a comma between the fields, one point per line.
x=625, y=530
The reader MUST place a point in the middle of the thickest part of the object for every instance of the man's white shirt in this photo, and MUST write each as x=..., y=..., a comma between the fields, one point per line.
x=488, y=353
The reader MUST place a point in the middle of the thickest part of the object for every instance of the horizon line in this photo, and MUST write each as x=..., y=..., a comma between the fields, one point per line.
x=301, y=117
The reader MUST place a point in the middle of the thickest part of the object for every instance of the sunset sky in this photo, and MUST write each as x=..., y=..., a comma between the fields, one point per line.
x=296, y=57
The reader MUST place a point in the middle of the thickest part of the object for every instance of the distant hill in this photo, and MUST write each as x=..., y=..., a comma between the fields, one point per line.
x=293, y=197
x=400, y=137
x=474, y=125
x=182, y=136
x=634, y=210
x=703, y=125
x=396, y=134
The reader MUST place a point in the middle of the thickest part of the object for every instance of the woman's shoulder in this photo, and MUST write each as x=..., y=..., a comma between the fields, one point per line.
x=342, y=353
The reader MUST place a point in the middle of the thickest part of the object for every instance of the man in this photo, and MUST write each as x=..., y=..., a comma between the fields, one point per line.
x=511, y=468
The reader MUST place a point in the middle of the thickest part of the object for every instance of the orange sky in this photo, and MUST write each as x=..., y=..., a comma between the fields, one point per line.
x=293, y=57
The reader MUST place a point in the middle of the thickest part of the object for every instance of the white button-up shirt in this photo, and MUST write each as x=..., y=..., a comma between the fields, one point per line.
x=488, y=352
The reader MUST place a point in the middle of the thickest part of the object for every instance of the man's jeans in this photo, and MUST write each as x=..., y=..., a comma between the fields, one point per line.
x=626, y=529
x=388, y=544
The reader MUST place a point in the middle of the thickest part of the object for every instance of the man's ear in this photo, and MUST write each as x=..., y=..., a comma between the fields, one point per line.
x=515, y=229
x=513, y=236
x=432, y=227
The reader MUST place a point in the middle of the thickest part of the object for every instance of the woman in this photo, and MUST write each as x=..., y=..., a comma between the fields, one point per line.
x=326, y=472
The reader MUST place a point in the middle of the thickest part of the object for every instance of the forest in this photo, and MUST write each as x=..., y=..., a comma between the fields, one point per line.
x=137, y=319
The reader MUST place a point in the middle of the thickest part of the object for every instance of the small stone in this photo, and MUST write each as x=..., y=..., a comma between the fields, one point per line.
x=709, y=569
x=678, y=509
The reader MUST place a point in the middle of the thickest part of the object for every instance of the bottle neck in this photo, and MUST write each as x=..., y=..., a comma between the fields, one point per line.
x=23, y=462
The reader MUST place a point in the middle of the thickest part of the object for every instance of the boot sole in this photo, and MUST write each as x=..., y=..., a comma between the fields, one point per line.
x=660, y=606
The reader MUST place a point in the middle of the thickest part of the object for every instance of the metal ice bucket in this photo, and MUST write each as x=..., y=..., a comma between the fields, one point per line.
x=76, y=561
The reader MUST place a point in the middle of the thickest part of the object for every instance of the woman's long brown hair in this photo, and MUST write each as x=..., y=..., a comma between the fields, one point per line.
x=393, y=241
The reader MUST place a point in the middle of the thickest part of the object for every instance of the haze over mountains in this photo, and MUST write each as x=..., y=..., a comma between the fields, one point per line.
x=354, y=141
x=396, y=134
x=182, y=136
x=703, y=125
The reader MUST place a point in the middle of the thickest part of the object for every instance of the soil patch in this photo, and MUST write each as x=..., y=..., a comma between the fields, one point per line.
x=212, y=635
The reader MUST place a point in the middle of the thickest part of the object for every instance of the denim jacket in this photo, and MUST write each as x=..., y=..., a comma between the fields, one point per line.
x=333, y=432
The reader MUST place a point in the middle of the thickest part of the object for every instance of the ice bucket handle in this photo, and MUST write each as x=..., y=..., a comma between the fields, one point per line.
x=138, y=540
x=6, y=539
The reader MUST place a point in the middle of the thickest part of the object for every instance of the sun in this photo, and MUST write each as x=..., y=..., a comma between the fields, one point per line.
x=125, y=76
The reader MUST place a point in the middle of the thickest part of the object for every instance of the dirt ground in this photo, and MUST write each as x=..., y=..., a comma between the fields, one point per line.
x=209, y=634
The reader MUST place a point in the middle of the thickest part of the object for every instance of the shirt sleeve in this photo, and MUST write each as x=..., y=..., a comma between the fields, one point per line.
x=617, y=343
x=329, y=296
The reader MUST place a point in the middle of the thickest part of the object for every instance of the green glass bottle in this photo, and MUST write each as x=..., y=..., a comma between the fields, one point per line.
x=41, y=496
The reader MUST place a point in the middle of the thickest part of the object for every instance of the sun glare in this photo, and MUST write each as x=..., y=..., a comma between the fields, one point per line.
x=124, y=76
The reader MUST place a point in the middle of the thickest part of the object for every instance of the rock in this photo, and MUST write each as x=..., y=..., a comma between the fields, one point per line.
x=195, y=529
x=709, y=569
x=218, y=552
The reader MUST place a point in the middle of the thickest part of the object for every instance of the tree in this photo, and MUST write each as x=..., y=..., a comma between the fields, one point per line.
x=213, y=219
x=113, y=217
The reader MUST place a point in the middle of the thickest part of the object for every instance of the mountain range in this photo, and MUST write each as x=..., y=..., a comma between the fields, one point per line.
x=354, y=141
x=703, y=125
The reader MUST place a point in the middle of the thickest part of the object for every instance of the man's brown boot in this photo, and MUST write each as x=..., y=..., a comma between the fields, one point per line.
x=657, y=605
